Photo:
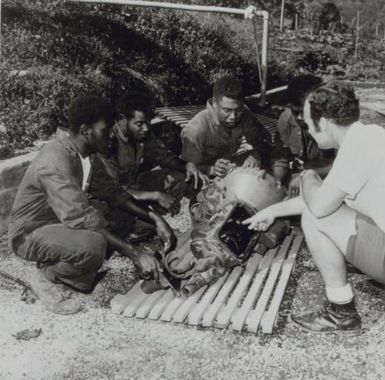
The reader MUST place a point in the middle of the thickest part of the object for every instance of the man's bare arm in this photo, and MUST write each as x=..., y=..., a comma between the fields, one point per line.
x=119, y=245
x=323, y=171
x=163, y=229
x=145, y=263
x=322, y=199
x=262, y=220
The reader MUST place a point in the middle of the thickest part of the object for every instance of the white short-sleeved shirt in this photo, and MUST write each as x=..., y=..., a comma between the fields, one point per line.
x=359, y=171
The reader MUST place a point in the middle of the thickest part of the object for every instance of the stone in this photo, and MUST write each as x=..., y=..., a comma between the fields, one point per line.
x=11, y=177
x=13, y=169
x=7, y=197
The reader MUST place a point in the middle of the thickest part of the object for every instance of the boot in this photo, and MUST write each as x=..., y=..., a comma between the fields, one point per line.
x=333, y=318
x=52, y=296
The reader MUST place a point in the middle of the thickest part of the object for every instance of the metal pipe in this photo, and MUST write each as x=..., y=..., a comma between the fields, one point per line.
x=268, y=92
x=282, y=16
x=357, y=37
x=158, y=4
x=257, y=49
x=265, y=48
x=203, y=8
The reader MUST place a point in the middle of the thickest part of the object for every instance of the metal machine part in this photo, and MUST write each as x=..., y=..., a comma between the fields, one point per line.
x=219, y=241
x=237, y=236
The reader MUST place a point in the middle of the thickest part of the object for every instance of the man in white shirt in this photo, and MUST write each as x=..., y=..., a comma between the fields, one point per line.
x=343, y=217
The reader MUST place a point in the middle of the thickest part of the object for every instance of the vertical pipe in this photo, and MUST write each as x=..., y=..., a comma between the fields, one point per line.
x=377, y=30
x=265, y=47
x=257, y=49
x=0, y=29
x=296, y=21
x=357, y=36
x=282, y=14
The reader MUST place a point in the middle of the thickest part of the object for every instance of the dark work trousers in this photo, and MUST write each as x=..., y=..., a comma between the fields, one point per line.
x=65, y=255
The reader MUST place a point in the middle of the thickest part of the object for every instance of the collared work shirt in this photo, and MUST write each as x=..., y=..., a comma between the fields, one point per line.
x=133, y=157
x=51, y=192
x=205, y=139
x=293, y=145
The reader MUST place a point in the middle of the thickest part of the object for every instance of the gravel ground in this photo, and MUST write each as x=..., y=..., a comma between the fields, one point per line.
x=97, y=344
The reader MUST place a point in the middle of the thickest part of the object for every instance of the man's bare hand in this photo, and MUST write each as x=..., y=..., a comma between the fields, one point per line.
x=221, y=167
x=244, y=147
x=261, y=221
x=193, y=172
x=251, y=162
x=146, y=266
x=168, y=202
x=294, y=186
x=164, y=231
x=310, y=175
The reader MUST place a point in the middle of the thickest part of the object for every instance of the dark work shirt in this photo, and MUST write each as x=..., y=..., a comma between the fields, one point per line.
x=205, y=139
x=51, y=192
x=132, y=157
x=294, y=147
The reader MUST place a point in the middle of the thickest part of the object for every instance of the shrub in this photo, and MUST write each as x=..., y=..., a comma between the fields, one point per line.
x=54, y=51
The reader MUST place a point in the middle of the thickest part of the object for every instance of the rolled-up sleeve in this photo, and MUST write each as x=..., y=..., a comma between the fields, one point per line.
x=193, y=147
x=66, y=198
x=193, y=140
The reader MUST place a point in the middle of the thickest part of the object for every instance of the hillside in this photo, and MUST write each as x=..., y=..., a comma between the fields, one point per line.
x=53, y=51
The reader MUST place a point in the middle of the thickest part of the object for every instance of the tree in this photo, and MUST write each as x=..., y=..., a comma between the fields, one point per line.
x=329, y=17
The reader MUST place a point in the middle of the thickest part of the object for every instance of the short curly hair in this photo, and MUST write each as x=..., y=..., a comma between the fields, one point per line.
x=228, y=86
x=298, y=88
x=334, y=101
x=89, y=109
x=128, y=103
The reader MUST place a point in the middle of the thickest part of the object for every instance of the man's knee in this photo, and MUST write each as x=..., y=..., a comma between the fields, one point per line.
x=309, y=222
x=175, y=183
x=94, y=250
x=174, y=178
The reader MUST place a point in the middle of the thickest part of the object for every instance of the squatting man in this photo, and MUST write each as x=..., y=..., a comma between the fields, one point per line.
x=53, y=222
x=343, y=217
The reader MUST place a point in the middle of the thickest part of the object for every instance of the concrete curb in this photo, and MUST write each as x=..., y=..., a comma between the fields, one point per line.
x=11, y=173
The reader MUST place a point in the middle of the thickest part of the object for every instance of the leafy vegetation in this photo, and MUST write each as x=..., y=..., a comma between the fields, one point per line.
x=53, y=51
